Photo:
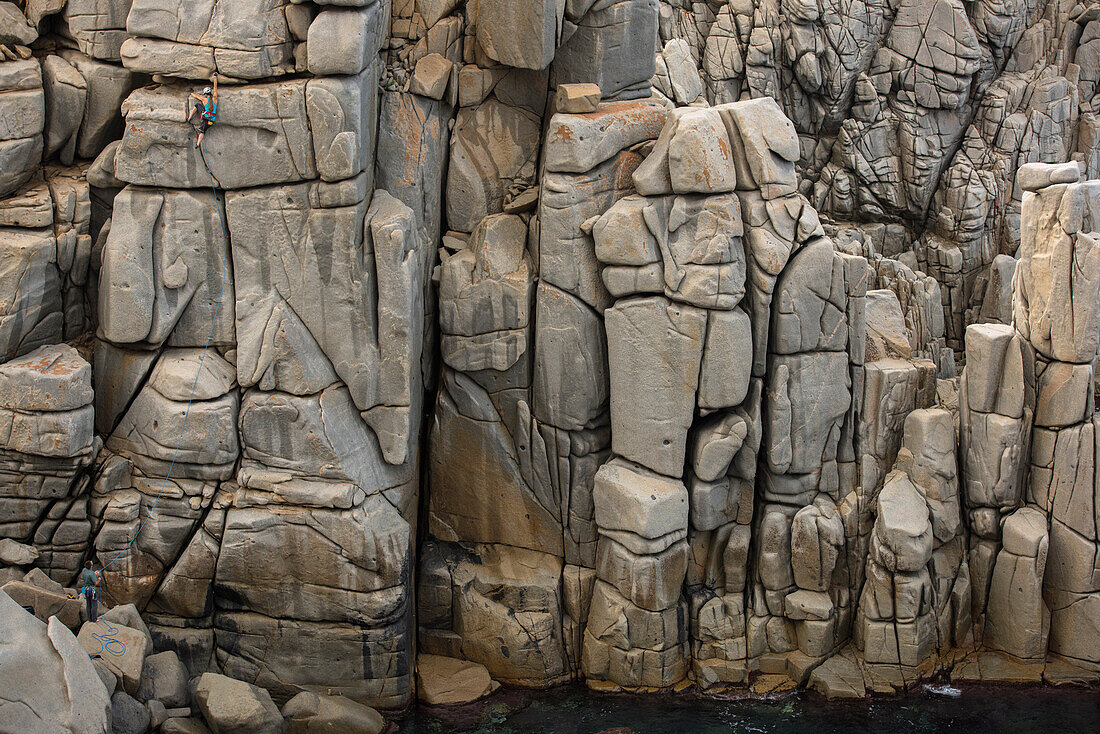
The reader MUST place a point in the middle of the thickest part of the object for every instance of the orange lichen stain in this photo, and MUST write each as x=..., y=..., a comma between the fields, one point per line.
x=563, y=133
x=723, y=145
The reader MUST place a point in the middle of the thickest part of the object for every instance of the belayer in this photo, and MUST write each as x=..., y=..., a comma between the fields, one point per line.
x=89, y=587
x=206, y=104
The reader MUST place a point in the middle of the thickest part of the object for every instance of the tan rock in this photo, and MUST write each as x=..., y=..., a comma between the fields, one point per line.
x=838, y=677
x=577, y=98
x=431, y=76
x=310, y=713
x=46, y=603
x=995, y=667
x=122, y=650
x=443, y=681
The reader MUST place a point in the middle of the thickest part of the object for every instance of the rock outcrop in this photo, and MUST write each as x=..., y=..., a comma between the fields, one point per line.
x=548, y=341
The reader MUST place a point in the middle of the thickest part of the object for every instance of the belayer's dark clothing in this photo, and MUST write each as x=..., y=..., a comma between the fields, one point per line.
x=88, y=580
x=91, y=603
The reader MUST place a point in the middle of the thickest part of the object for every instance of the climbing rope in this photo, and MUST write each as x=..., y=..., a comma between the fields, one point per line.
x=109, y=642
x=106, y=640
x=198, y=373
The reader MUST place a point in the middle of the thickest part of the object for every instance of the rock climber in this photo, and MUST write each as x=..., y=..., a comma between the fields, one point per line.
x=89, y=587
x=206, y=104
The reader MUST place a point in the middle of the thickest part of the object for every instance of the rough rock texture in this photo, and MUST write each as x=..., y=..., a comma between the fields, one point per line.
x=556, y=340
x=49, y=683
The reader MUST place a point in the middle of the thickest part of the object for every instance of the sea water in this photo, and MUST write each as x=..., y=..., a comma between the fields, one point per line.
x=576, y=710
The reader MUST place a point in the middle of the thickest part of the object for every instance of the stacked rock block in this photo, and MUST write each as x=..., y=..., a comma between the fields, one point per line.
x=48, y=436
x=261, y=323
x=1028, y=413
x=520, y=426
x=674, y=283
x=915, y=600
x=916, y=115
x=59, y=102
x=1056, y=304
x=996, y=408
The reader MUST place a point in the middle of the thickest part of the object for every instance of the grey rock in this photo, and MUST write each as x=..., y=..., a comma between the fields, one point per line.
x=244, y=40
x=630, y=498
x=413, y=131
x=493, y=146
x=265, y=134
x=126, y=661
x=1018, y=620
x=652, y=341
x=366, y=587
x=54, y=378
x=613, y=46
x=577, y=143
x=313, y=450
x=17, y=554
x=311, y=344
x=161, y=278
x=523, y=34
x=432, y=74
x=164, y=679
x=107, y=86
x=66, y=93
x=651, y=581
x=570, y=378
x=157, y=713
x=21, y=142
x=46, y=602
x=49, y=682
x=308, y=712
x=727, y=364
x=345, y=40
x=685, y=84
x=97, y=28
x=14, y=26
x=233, y=705
x=179, y=725
x=699, y=155
x=128, y=716
x=902, y=539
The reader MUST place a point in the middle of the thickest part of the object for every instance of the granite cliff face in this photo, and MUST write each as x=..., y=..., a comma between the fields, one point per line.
x=608, y=340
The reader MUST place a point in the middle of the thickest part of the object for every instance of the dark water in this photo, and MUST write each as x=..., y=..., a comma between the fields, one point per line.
x=575, y=710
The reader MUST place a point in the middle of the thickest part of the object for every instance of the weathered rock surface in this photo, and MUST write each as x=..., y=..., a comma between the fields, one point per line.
x=307, y=712
x=233, y=705
x=442, y=680
x=644, y=317
x=49, y=683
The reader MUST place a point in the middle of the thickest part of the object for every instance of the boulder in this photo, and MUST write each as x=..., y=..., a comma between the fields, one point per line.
x=128, y=716
x=230, y=705
x=46, y=602
x=17, y=554
x=47, y=681
x=633, y=499
x=121, y=649
x=163, y=678
x=181, y=725
x=659, y=344
x=431, y=76
x=577, y=98
x=310, y=713
x=443, y=680
x=14, y=26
